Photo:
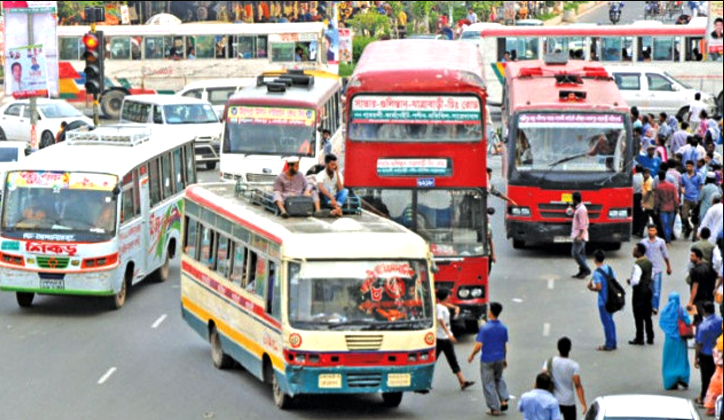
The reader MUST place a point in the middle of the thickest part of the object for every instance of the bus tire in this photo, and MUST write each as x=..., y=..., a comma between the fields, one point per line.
x=25, y=299
x=472, y=326
x=162, y=273
x=391, y=399
x=518, y=244
x=117, y=301
x=221, y=360
x=281, y=399
x=111, y=102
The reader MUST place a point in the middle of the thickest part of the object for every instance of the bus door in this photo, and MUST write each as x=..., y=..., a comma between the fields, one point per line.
x=144, y=200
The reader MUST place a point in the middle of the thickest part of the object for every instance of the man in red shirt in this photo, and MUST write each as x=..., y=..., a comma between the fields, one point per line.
x=666, y=203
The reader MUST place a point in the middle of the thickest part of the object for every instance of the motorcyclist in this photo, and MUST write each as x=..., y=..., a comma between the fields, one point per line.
x=614, y=11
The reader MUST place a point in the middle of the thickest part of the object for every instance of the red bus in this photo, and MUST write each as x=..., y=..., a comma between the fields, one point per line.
x=568, y=130
x=416, y=153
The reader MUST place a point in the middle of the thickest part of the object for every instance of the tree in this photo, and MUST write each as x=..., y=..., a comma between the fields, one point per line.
x=370, y=23
x=71, y=12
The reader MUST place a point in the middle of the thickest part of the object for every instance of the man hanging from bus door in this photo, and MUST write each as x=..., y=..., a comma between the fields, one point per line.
x=331, y=186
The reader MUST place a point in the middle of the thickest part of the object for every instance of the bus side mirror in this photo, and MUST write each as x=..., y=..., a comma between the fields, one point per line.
x=434, y=268
x=491, y=211
x=116, y=191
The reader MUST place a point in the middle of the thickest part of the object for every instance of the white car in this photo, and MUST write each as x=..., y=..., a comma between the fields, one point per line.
x=15, y=120
x=215, y=91
x=644, y=407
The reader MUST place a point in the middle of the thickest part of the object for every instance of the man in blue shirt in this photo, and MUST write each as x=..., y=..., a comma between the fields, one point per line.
x=709, y=330
x=691, y=184
x=493, y=341
x=539, y=404
x=650, y=160
x=599, y=285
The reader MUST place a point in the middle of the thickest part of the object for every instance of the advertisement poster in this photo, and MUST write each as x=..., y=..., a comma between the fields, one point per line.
x=28, y=72
x=416, y=110
x=271, y=116
x=345, y=45
x=714, y=38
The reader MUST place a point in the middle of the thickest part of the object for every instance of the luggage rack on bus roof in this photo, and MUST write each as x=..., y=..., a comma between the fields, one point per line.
x=118, y=135
x=264, y=197
x=279, y=83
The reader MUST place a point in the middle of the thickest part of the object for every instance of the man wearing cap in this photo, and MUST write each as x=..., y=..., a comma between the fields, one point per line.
x=650, y=160
x=291, y=183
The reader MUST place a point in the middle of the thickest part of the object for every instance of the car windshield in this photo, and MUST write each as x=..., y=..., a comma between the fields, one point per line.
x=270, y=131
x=686, y=86
x=570, y=142
x=81, y=205
x=360, y=295
x=59, y=110
x=190, y=114
x=416, y=119
x=9, y=154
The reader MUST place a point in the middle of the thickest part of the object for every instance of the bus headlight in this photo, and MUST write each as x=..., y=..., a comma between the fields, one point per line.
x=520, y=211
x=477, y=292
x=618, y=214
x=463, y=293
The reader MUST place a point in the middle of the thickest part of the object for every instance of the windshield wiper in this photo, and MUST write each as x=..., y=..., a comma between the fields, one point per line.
x=356, y=323
x=567, y=159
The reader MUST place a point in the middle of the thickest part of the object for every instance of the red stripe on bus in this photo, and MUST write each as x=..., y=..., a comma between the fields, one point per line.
x=595, y=31
x=191, y=193
x=243, y=303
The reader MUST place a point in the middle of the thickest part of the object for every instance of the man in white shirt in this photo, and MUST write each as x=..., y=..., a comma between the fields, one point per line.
x=566, y=376
x=445, y=338
x=472, y=16
x=331, y=186
x=714, y=219
x=695, y=109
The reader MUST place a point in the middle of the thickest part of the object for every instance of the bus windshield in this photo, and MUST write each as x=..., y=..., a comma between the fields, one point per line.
x=76, y=205
x=360, y=295
x=570, y=142
x=425, y=119
x=270, y=131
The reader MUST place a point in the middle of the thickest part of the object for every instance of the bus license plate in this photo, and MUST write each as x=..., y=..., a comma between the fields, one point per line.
x=567, y=198
x=399, y=380
x=562, y=240
x=330, y=381
x=52, y=284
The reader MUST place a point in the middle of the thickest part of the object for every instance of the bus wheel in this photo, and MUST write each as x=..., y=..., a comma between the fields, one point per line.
x=471, y=326
x=111, y=102
x=119, y=299
x=220, y=359
x=162, y=274
x=211, y=165
x=25, y=300
x=391, y=399
x=281, y=399
x=518, y=244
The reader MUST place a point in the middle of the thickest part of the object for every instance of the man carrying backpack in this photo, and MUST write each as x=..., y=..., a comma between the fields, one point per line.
x=599, y=284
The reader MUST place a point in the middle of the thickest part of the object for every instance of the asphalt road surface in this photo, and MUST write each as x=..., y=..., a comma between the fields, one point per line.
x=632, y=11
x=71, y=358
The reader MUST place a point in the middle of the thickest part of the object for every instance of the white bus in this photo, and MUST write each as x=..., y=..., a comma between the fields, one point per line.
x=679, y=49
x=283, y=114
x=165, y=58
x=310, y=306
x=93, y=215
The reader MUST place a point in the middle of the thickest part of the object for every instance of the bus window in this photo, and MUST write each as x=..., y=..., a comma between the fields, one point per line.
x=220, y=46
x=136, y=193
x=274, y=302
x=153, y=47
x=192, y=233
x=178, y=170
x=659, y=83
x=392, y=204
x=206, y=256
x=282, y=52
x=204, y=46
x=664, y=49
x=250, y=278
x=261, y=46
x=120, y=47
x=157, y=114
x=518, y=48
x=694, y=47
x=223, y=257
x=166, y=176
x=611, y=49
x=244, y=46
x=190, y=165
x=573, y=47
x=127, y=211
x=452, y=220
x=175, y=48
x=70, y=48
x=238, y=270
x=260, y=282
x=154, y=182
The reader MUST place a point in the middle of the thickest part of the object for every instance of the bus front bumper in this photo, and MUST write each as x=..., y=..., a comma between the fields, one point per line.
x=538, y=232
x=98, y=283
x=358, y=380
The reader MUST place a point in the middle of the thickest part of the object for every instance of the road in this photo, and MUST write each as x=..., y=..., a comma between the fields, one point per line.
x=72, y=358
x=632, y=11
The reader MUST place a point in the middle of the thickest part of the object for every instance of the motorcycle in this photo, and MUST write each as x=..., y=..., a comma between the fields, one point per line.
x=614, y=11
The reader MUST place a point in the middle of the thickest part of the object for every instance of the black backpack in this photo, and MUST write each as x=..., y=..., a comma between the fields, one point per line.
x=616, y=296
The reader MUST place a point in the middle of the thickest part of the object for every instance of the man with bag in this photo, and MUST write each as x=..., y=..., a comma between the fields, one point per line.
x=599, y=284
x=292, y=183
x=640, y=282
x=565, y=374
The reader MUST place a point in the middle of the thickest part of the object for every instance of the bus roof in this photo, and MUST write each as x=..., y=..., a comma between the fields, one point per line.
x=198, y=29
x=295, y=96
x=357, y=237
x=697, y=27
x=532, y=85
x=158, y=99
x=419, y=63
x=100, y=158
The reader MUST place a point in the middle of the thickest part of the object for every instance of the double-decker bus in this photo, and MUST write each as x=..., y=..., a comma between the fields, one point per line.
x=93, y=215
x=284, y=114
x=416, y=153
x=681, y=50
x=311, y=306
x=164, y=58
x=569, y=130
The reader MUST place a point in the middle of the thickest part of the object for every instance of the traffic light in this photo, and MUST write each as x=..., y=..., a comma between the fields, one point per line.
x=93, y=54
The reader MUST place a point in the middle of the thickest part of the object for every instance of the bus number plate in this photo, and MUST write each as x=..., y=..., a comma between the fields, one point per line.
x=562, y=240
x=330, y=381
x=567, y=198
x=399, y=380
x=52, y=284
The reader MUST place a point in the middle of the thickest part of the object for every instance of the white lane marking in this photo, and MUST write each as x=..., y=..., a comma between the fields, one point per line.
x=158, y=321
x=546, y=329
x=516, y=300
x=551, y=283
x=108, y=374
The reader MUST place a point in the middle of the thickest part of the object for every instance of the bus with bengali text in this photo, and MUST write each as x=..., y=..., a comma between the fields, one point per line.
x=688, y=55
x=147, y=59
x=283, y=114
x=308, y=305
x=568, y=130
x=94, y=215
x=416, y=154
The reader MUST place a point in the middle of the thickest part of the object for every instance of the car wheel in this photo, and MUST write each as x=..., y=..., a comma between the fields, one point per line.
x=682, y=113
x=111, y=102
x=2, y=135
x=46, y=139
x=211, y=165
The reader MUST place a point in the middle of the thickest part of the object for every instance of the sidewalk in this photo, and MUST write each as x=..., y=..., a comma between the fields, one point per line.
x=583, y=10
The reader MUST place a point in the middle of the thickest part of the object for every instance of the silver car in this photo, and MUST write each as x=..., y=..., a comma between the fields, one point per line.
x=642, y=407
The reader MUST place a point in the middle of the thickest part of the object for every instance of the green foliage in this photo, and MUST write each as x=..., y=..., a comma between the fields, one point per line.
x=70, y=11
x=359, y=43
x=346, y=69
x=370, y=24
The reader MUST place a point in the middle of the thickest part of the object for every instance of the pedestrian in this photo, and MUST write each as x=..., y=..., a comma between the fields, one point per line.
x=715, y=384
x=445, y=338
x=650, y=160
x=673, y=174
x=714, y=219
x=707, y=248
x=658, y=254
x=680, y=137
x=638, y=211
x=691, y=184
x=566, y=376
x=666, y=204
x=635, y=120
x=706, y=335
x=703, y=279
x=60, y=136
x=579, y=233
x=640, y=282
x=599, y=284
x=648, y=197
x=492, y=341
x=675, y=361
x=539, y=403
x=695, y=109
